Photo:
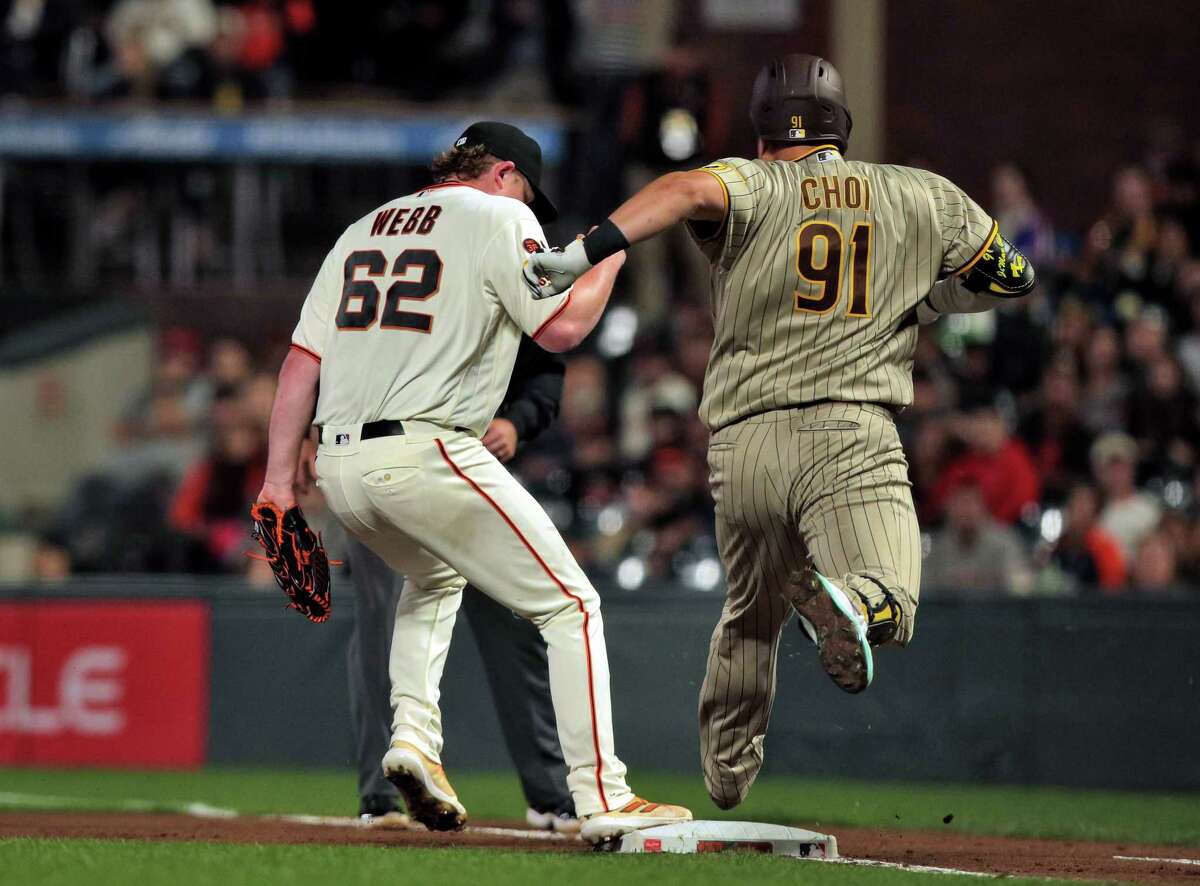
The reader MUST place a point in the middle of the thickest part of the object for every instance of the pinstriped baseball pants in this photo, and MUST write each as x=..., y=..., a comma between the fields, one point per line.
x=830, y=481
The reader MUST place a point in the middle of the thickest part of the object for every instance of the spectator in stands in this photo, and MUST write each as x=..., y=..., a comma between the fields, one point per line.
x=33, y=37
x=160, y=48
x=1189, y=556
x=1188, y=347
x=258, y=396
x=675, y=508
x=654, y=383
x=1019, y=216
x=1085, y=553
x=1168, y=262
x=1104, y=402
x=229, y=364
x=176, y=371
x=930, y=440
x=1128, y=515
x=1146, y=338
x=1117, y=250
x=212, y=502
x=1154, y=569
x=973, y=555
x=994, y=460
x=1057, y=439
x=1072, y=326
x=1163, y=418
x=251, y=49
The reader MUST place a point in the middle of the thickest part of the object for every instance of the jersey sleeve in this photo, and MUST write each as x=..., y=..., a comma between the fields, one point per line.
x=311, y=334
x=967, y=230
x=503, y=261
x=743, y=182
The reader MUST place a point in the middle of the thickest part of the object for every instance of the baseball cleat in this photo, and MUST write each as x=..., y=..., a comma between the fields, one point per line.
x=838, y=626
x=427, y=792
x=395, y=819
x=559, y=822
x=633, y=816
x=382, y=811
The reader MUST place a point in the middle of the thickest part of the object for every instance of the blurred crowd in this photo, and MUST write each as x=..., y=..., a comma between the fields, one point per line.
x=232, y=51
x=198, y=50
x=1053, y=444
x=191, y=456
x=633, y=76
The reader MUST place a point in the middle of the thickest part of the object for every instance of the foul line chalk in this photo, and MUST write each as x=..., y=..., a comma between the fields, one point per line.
x=1151, y=858
x=53, y=803
x=915, y=868
x=71, y=804
x=521, y=834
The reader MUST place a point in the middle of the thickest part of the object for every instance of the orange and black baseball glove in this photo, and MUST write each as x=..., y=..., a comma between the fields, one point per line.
x=296, y=556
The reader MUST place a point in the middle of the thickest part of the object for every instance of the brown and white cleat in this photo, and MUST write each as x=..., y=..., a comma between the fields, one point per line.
x=635, y=815
x=837, y=624
x=427, y=792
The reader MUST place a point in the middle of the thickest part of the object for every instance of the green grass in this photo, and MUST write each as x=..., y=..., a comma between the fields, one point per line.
x=118, y=863
x=1015, y=811
x=823, y=804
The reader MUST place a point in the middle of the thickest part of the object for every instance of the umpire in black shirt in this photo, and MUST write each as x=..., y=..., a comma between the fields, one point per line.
x=512, y=650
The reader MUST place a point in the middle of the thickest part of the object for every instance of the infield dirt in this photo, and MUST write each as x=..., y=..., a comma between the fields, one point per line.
x=944, y=849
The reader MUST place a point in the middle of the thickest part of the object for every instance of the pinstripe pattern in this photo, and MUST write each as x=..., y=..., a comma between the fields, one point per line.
x=804, y=459
x=829, y=481
x=769, y=355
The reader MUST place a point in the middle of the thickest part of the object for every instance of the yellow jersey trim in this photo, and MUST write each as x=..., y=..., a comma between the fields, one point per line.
x=982, y=249
x=725, y=192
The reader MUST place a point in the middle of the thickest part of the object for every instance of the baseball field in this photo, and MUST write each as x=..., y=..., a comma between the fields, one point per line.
x=232, y=826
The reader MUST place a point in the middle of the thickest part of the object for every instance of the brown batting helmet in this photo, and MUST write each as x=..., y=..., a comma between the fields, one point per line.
x=799, y=98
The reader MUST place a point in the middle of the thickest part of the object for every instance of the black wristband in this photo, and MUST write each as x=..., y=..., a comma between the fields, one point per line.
x=606, y=240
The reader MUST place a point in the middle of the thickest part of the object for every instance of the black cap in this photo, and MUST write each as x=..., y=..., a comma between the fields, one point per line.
x=509, y=143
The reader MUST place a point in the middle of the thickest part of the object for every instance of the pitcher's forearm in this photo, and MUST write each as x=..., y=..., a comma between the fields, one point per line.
x=588, y=299
x=291, y=416
x=590, y=296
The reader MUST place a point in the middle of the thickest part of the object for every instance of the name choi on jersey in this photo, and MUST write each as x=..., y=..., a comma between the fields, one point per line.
x=836, y=192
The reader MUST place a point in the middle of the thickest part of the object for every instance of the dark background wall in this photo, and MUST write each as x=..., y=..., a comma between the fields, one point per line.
x=1100, y=695
x=1068, y=87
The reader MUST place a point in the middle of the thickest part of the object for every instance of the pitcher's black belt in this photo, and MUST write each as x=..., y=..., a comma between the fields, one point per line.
x=383, y=428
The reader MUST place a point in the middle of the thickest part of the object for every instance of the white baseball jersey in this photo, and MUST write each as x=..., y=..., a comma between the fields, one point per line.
x=419, y=307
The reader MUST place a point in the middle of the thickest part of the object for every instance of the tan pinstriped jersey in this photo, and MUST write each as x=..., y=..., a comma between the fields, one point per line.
x=816, y=273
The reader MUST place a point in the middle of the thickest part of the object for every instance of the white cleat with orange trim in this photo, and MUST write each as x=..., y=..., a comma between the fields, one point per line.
x=633, y=816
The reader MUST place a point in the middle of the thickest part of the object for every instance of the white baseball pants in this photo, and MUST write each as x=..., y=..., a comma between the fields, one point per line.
x=442, y=511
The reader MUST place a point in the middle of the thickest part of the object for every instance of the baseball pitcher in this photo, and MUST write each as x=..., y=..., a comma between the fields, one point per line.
x=404, y=350
x=822, y=269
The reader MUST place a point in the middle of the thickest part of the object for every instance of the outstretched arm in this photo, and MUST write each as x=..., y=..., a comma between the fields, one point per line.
x=295, y=403
x=667, y=200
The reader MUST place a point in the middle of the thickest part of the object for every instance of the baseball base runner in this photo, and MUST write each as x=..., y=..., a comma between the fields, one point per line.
x=822, y=269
